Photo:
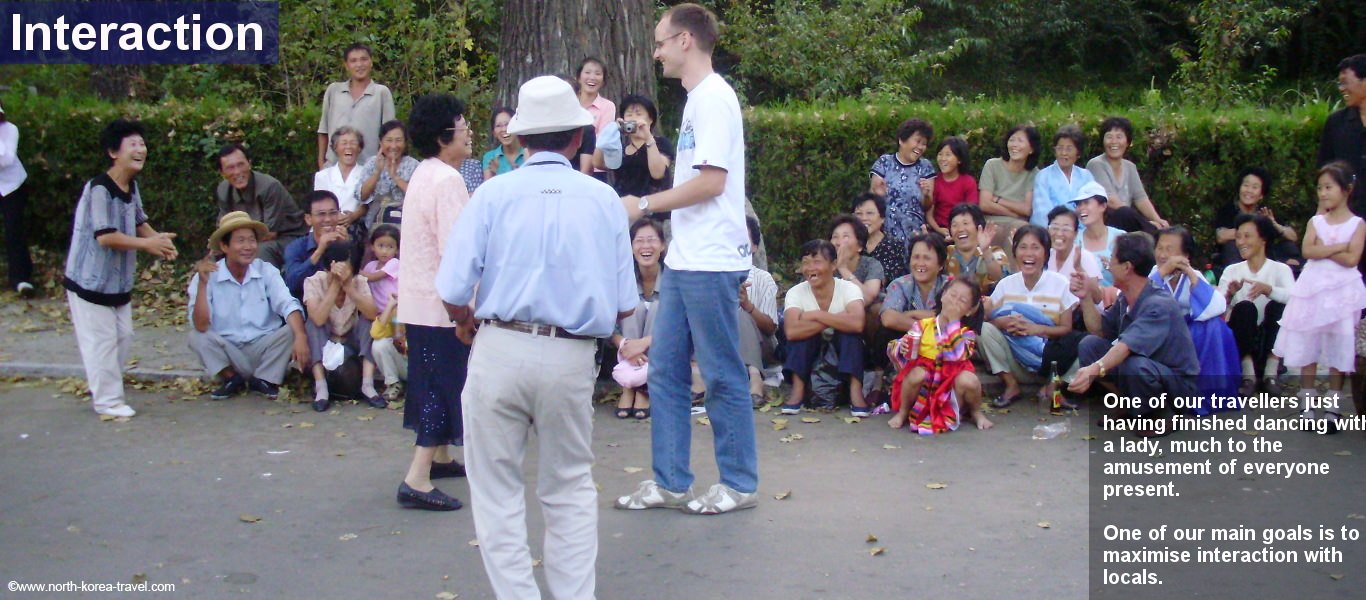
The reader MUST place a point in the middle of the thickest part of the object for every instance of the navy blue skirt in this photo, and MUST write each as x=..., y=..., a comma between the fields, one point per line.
x=437, y=362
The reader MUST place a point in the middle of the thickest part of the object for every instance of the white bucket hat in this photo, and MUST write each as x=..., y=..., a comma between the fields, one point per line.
x=547, y=104
x=1088, y=191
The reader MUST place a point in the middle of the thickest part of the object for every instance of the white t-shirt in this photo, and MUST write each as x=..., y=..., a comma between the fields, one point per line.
x=1277, y=275
x=331, y=179
x=711, y=235
x=1051, y=293
x=801, y=297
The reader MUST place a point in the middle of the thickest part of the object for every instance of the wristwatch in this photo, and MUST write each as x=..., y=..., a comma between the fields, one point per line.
x=644, y=205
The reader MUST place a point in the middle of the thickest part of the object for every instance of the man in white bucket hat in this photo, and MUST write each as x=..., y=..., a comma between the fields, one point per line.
x=547, y=249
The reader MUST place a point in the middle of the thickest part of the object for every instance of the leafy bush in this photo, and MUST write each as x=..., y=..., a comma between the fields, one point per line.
x=805, y=163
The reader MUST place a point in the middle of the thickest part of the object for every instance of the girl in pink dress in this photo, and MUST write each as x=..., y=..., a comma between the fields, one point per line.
x=1326, y=301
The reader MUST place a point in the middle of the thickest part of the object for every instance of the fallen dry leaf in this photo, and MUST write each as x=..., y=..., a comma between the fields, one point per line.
x=535, y=562
x=811, y=420
x=1337, y=576
x=878, y=551
x=106, y=417
x=365, y=418
x=1044, y=524
x=247, y=518
x=1254, y=433
x=446, y=596
x=779, y=424
x=852, y=420
x=872, y=539
x=704, y=420
x=936, y=485
x=346, y=537
x=1343, y=453
x=633, y=470
x=474, y=543
x=305, y=425
x=890, y=447
x=783, y=495
x=766, y=408
x=1088, y=437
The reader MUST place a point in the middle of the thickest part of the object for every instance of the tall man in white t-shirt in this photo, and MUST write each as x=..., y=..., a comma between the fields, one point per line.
x=707, y=262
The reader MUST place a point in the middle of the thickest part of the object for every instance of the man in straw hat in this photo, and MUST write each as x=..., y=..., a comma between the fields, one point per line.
x=246, y=324
x=708, y=259
x=547, y=249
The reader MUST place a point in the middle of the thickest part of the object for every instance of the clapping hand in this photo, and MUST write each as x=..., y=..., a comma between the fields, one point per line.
x=161, y=246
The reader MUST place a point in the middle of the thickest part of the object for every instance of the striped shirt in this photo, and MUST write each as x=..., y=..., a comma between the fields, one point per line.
x=97, y=274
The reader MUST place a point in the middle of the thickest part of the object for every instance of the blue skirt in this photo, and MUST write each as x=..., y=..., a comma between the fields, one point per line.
x=1220, y=369
x=437, y=363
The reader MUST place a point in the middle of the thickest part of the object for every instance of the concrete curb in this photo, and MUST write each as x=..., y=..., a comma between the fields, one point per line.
x=29, y=369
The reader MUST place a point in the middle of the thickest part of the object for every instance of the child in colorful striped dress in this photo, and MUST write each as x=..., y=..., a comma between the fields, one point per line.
x=935, y=378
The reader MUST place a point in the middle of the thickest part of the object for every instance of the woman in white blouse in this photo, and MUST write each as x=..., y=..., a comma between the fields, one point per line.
x=343, y=178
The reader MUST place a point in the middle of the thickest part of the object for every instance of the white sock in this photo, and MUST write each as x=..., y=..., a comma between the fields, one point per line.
x=367, y=387
x=1273, y=364
x=320, y=389
x=1305, y=394
x=1249, y=371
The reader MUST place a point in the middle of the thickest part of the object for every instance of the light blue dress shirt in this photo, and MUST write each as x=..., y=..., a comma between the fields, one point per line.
x=242, y=312
x=1051, y=189
x=545, y=244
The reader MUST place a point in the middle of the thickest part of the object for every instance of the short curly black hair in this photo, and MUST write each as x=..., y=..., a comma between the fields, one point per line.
x=860, y=232
x=429, y=125
x=910, y=127
x=113, y=134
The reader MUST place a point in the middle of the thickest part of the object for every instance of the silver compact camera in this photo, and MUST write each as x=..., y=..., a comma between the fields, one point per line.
x=628, y=126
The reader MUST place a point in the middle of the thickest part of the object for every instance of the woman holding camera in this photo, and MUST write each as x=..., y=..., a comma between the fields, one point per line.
x=645, y=157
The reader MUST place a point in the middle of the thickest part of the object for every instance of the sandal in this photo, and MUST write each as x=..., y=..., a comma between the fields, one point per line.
x=1003, y=401
x=624, y=412
x=642, y=413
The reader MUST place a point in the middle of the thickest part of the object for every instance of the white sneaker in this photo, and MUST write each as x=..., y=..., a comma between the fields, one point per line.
x=721, y=498
x=649, y=495
x=25, y=289
x=122, y=410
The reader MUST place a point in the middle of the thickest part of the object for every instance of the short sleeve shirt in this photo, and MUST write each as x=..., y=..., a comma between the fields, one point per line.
x=948, y=194
x=374, y=107
x=633, y=176
x=382, y=289
x=998, y=180
x=1129, y=189
x=891, y=252
x=904, y=295
x=97, y=274
x=711, y=235
x=1154, y=327
x=905, y=214
x=1051, y=294
x=340, y=319
x=802, y=298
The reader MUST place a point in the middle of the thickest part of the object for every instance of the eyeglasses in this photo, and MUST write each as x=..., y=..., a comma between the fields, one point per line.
x=1060, y=229
x=457, y=129
x=660, y=43
x=326, y=214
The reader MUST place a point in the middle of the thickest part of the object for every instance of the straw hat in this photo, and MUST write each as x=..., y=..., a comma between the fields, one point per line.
x=232, y=222
x=547, y=104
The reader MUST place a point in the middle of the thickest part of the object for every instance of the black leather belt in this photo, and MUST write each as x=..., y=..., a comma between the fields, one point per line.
x=537, y=329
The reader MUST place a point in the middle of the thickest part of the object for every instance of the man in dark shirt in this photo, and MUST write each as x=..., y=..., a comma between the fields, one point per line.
x=1142, y=339
x=263, y=198
x=1344, y=133
x=1344, y=138
x=304, y=256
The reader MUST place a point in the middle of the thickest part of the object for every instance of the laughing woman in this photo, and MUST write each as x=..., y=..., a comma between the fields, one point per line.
x=1129, y=207
x=1025, y=310
x=898, y=177
x=635, y=332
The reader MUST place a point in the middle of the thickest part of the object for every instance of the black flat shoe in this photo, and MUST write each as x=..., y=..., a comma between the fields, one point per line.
x=231, y=387
x=265, y=388
x=445, y=470
x=376, y=402
x=322, y=404
x=433, y=500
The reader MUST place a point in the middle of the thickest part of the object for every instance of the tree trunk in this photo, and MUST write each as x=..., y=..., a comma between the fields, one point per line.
x=550, y=37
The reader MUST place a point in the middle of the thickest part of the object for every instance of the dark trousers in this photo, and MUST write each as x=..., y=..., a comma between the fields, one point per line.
x=16, y=237
x=1139, y=376
x=1129, y=219
x=802, y=355
x=1061, y=352
x=1254, y=339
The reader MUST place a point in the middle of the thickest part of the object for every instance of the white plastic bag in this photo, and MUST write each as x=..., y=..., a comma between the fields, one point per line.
x=334, y=355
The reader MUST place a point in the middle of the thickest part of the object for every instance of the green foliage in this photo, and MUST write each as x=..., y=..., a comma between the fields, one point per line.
x=60, y=149
x=814, y=50
x=806, y=162
x=1228, y=34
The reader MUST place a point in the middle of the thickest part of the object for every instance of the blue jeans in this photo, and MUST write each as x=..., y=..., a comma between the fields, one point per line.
x=698, y=314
